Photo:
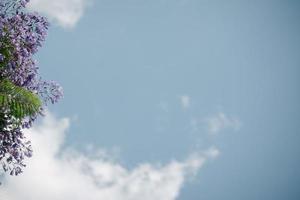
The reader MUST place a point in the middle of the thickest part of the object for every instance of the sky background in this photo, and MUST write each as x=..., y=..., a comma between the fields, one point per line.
x=202, y=84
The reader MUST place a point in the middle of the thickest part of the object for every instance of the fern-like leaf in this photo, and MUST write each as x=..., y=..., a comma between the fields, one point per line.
x=19, y=101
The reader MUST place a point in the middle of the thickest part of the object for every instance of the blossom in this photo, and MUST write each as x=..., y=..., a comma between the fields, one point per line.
x=21, y=36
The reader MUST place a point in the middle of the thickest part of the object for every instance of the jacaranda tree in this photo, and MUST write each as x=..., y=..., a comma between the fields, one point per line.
x=23, y=93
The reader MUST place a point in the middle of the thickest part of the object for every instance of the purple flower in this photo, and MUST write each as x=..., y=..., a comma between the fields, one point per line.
x=21, y=35
x=1, y=57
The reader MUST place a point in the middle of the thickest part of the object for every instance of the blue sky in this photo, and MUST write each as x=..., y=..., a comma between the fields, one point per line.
x=213, y=85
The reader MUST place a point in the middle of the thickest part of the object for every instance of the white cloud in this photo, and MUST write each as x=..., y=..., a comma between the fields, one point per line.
x=212, y=152
x=64, y=174
x=185, y=101
x=221, y=121
x=64, y=12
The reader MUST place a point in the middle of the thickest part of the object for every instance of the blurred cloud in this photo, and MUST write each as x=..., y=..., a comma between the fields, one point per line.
x=185, y=101
x=212, y=152
x=64, y=12
x=59, y=174
x=221, y=121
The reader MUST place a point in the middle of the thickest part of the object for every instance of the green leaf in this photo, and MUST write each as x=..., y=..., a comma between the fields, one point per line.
x=19, y=101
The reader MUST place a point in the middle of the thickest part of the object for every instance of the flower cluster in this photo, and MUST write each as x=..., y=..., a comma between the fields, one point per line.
x=21, y=35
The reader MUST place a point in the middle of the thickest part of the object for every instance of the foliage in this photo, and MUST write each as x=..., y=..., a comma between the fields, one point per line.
x=21, y=102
